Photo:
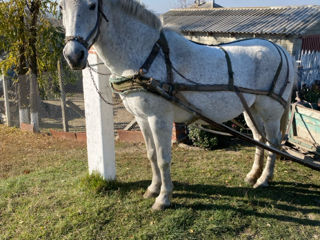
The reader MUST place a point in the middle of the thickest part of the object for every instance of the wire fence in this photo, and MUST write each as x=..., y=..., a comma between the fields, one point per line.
x=50, y=109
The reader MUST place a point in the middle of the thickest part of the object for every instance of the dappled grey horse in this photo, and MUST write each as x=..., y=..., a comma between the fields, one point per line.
x=133, y=44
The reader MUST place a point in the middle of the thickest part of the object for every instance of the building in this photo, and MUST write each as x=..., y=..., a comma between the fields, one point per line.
x=297, y=28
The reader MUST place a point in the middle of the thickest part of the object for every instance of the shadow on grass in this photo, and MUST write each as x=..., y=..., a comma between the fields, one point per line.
x=281, y=196
x=295, y=194
x=248, y=212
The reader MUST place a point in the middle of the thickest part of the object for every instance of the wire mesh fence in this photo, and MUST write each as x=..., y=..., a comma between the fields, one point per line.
x=12, y=100
x=51, y=111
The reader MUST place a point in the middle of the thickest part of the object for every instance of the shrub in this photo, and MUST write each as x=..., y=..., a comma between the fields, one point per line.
x=202, y=138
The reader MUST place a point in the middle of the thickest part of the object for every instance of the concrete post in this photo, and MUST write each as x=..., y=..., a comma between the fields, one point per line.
x=99, y=120
x=6, y=100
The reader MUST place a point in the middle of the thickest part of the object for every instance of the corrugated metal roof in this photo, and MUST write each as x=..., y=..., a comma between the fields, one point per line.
x=311, y=43
x=295, y=20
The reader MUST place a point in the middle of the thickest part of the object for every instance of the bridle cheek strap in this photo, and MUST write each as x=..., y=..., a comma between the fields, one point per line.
x=95, y=32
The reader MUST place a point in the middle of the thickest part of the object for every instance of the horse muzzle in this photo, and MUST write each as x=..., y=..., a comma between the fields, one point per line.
x=76, y=55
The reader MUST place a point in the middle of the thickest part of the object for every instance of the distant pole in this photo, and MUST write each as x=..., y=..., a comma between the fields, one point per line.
x=6, y=100
x=63, y=99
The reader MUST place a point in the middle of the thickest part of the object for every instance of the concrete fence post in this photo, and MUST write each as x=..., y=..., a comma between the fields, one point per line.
x=6, y=100
x=99, y=120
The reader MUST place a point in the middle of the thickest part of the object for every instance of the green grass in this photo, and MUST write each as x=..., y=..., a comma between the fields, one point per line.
x=210, y=199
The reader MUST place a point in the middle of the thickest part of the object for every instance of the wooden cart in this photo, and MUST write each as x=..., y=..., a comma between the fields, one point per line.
x=304, y=135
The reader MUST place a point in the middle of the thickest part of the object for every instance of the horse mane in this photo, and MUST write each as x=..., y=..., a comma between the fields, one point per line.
x=139, y=11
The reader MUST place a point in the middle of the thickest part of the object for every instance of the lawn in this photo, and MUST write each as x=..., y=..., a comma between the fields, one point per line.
x=45, y=193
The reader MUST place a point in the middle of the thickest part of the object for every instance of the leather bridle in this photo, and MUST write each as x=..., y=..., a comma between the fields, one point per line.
x=94, y=34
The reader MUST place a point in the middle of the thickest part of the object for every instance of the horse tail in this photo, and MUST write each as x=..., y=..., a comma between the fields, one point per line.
x=285, y=115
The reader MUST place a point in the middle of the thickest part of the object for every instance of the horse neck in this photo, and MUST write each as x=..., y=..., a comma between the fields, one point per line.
x=125, y=43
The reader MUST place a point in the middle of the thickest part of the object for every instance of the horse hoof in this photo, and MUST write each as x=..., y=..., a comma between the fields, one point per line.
x=250, y=180
x=159, y=207
x=261, y=184
x=149, y=194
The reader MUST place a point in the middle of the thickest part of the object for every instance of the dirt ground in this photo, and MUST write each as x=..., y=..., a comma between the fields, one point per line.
x=22, y=152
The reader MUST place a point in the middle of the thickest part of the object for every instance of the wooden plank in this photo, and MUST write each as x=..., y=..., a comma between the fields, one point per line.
x=75, y=108
x=308, y=112
x=63, y=99
x=304, y=160
x=131, y=125
x=305, y=129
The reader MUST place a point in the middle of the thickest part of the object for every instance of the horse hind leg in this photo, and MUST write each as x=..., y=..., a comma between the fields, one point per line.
x=273, y=133
x=154, y=189
x=257, y=166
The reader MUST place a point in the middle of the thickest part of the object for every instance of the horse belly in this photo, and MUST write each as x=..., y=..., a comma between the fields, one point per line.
x=219, y=106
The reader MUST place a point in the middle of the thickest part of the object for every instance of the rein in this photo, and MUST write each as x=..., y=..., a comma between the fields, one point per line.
x=94, y=34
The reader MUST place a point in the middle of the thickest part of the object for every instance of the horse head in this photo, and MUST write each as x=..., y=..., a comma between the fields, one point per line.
x=82, y=20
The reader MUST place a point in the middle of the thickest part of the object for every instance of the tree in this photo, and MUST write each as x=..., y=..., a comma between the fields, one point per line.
x=33, y=44
x=13, y=44
x=184, y=3
x=34, y=9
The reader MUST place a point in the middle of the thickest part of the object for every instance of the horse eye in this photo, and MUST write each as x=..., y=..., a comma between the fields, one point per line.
x=92, y=6
x=61, y=8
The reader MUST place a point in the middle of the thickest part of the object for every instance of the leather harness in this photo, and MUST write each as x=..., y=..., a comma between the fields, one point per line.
x=139, y=82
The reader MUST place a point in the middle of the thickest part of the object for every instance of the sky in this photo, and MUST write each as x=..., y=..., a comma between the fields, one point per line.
x=162, y=6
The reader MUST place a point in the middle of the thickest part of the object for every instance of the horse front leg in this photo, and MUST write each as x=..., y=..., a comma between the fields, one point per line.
x=154, y=189
x=162, y=132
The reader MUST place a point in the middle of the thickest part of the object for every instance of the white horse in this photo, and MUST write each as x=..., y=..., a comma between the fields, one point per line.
x=124, y=32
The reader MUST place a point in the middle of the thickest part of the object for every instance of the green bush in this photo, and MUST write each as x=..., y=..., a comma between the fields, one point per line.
x=202, y=138
x=310, y=95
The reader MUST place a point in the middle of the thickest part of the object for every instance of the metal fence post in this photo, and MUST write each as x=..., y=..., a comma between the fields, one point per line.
x=99, y=120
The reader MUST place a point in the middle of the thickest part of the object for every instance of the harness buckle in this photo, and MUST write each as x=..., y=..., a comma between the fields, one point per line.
x=142, y=71
x=167, y=87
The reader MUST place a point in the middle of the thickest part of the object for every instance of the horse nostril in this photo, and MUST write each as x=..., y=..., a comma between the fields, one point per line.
x=81, y=56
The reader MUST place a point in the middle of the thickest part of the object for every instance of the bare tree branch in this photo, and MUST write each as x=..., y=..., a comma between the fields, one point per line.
x=184, y=3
